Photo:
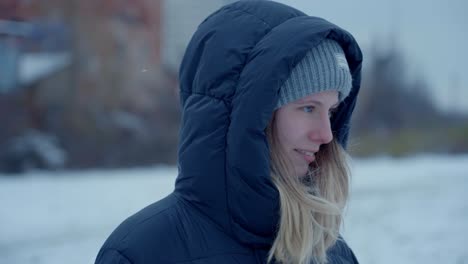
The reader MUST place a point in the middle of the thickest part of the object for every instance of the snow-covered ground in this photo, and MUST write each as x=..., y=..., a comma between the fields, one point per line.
x=412, y=210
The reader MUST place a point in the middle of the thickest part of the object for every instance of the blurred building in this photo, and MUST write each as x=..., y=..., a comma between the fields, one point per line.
x=100, y=77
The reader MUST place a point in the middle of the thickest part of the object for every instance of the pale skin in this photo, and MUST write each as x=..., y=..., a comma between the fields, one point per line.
x=303, y=126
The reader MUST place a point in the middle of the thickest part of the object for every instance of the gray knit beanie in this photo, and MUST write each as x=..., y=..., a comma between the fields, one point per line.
x=323, y=68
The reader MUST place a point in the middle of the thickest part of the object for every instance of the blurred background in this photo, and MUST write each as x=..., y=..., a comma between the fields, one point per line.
x=89, y=113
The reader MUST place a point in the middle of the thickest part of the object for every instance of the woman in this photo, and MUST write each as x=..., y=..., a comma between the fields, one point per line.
x=267, y=94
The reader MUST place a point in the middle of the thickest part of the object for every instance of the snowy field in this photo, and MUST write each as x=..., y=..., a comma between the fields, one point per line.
x=412, y=210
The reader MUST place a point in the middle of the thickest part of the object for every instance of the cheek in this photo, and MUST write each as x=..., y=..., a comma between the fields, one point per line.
x=288, y=134
x=290, y=126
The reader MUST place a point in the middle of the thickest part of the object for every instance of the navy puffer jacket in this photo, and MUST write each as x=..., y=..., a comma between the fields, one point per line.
x=224, y=208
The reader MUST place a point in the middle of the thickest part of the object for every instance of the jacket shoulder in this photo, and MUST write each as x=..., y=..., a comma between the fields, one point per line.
x=168, y=231
x=144, y=237
x=341, y=253
x=111, y=256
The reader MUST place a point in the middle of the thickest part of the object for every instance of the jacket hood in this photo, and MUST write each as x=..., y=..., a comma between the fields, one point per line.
x=230, y=76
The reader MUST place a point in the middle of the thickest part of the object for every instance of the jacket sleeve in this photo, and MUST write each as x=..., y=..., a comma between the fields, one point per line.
x=111, y=256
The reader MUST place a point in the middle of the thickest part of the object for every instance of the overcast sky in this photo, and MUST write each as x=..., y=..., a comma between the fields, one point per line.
x=433, y=35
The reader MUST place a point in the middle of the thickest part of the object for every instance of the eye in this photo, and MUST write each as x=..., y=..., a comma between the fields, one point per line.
x=308, y=109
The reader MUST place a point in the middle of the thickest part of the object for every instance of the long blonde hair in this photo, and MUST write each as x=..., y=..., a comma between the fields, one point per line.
x=311, y=206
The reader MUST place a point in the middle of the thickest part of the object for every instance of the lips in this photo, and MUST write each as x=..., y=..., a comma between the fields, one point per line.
x=308, y=155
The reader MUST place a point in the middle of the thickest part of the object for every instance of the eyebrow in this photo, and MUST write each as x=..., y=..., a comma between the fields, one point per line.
x=317, y=102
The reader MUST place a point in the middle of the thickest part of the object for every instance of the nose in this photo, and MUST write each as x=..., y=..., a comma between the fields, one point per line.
x=321, y=132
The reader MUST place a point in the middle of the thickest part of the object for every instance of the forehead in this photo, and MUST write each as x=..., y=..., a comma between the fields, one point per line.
x=326, y=97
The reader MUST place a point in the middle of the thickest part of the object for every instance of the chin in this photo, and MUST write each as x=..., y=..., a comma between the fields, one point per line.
x=301, y=171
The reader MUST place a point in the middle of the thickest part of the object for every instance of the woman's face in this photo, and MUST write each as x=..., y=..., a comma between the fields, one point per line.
x=303, y=126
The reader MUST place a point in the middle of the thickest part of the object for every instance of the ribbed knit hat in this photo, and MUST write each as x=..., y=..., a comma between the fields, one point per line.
x=323, y=68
